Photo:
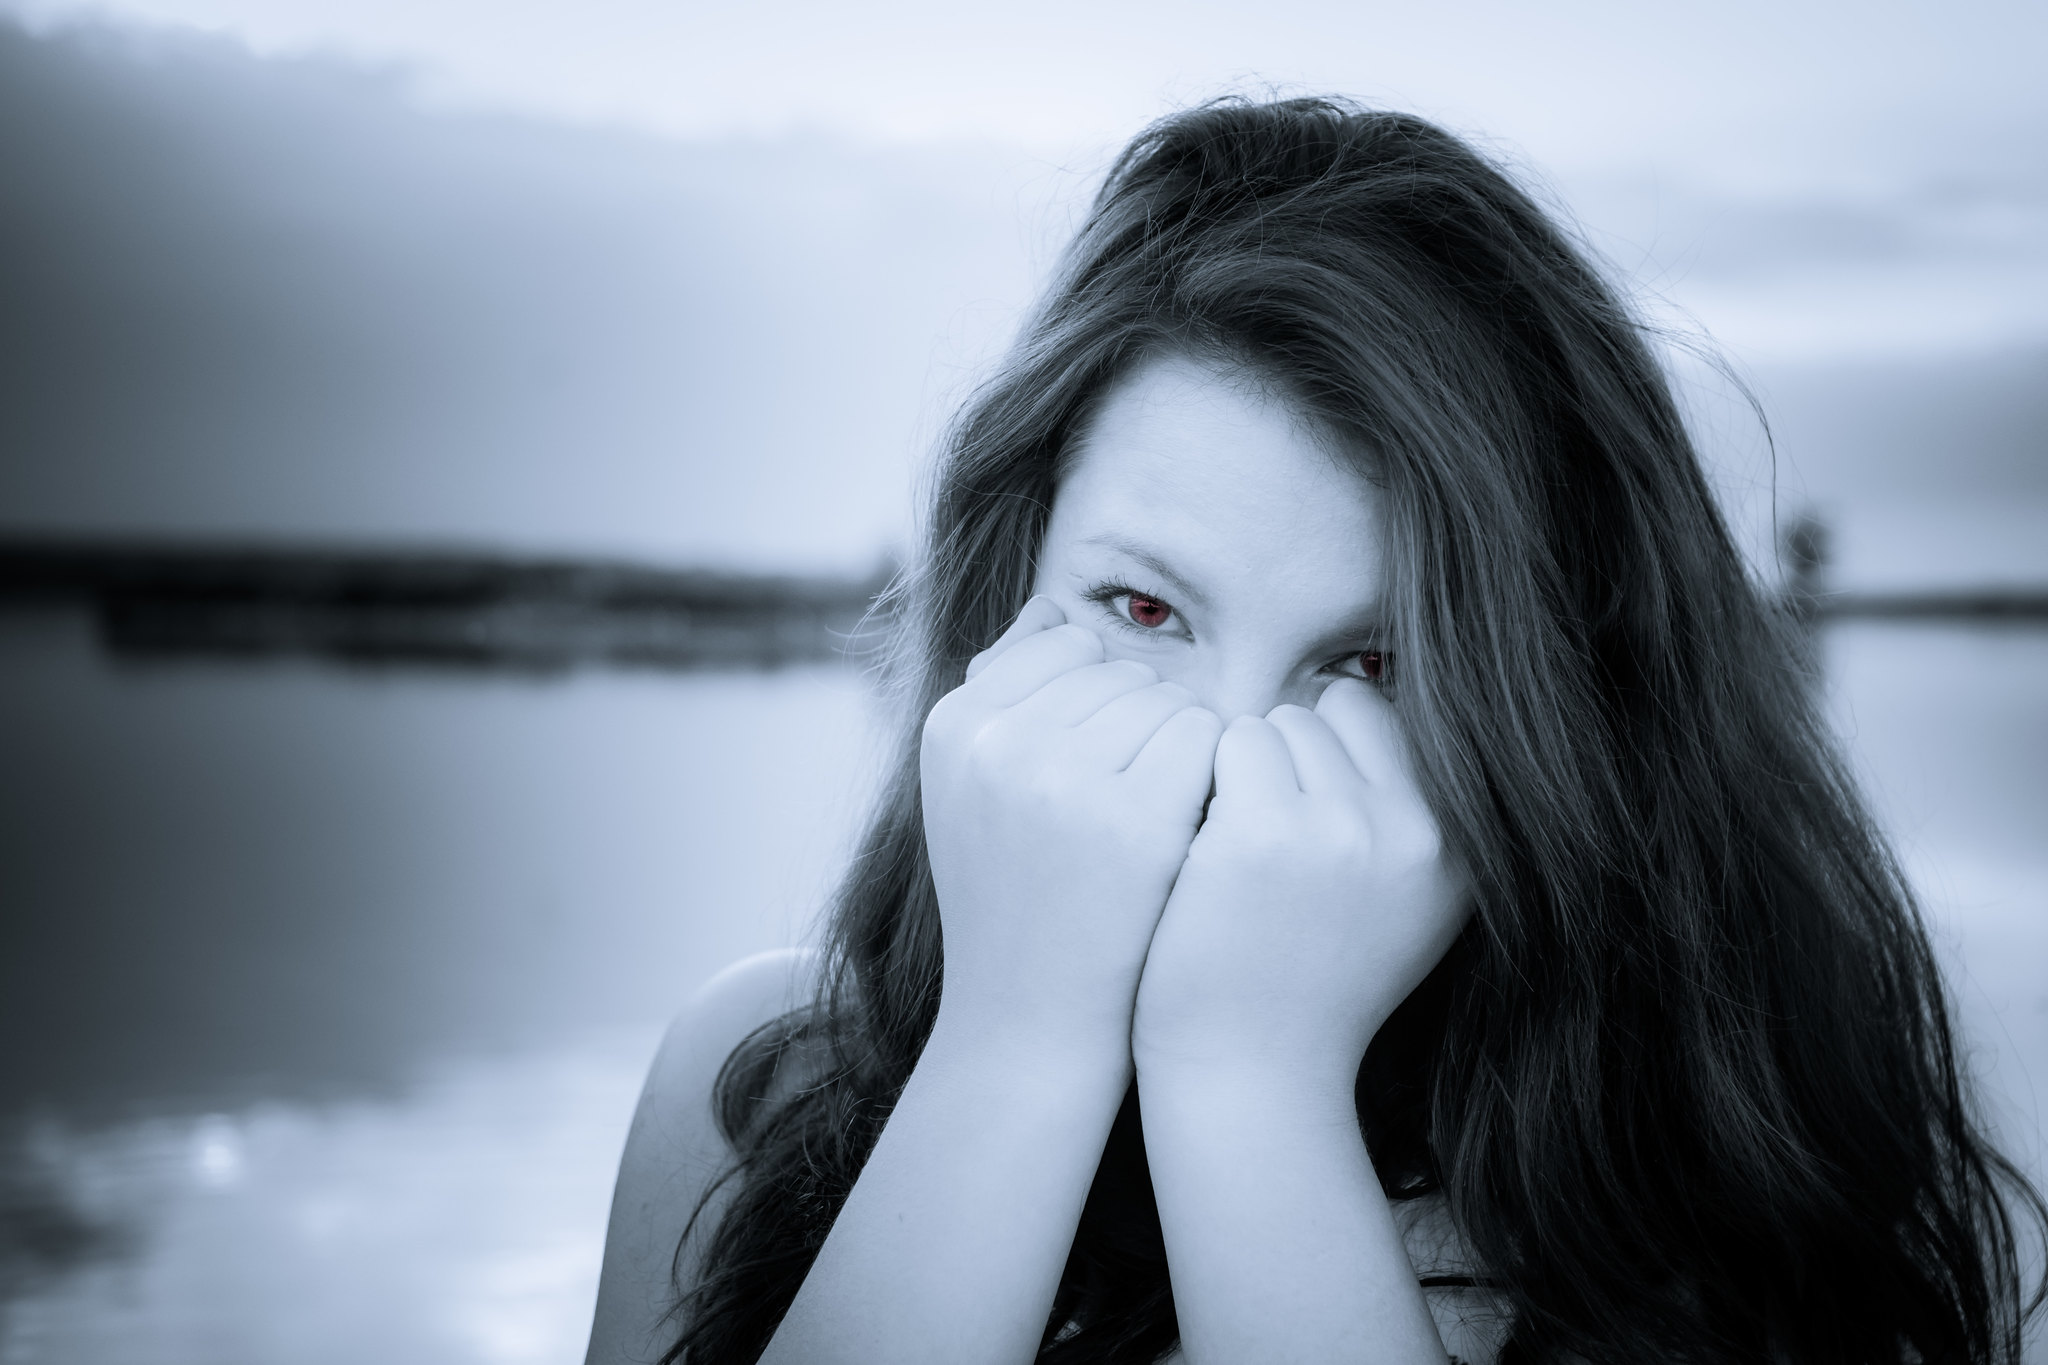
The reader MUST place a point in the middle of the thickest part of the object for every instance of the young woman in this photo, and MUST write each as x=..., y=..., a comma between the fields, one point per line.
x=1396, y=897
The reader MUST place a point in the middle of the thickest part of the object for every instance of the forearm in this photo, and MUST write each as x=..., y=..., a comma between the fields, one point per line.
x=1280, y=1242
x=950, y=1247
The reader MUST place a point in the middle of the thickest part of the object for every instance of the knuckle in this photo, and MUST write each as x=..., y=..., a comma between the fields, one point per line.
x=1049, y=787
x=1353, y=844
x=1080, y=639
x=993, y=749
x=1138, y=671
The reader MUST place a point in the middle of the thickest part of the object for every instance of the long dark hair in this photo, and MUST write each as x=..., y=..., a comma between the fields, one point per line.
x=1687, y=1084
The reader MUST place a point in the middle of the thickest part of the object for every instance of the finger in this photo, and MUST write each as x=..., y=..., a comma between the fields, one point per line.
x=1034, y=661
x=1119, y=732
x=1041, y=613
x=1366, y=725
x=1180, y=756
x=1073, y=697
x=1252, y=760
x=1321, y=762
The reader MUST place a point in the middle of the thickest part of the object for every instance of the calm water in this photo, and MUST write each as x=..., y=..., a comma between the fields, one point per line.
x=326, y=995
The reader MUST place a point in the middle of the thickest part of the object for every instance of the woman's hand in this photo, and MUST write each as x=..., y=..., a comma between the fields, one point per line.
x=1061, y=793
x=1315, y=897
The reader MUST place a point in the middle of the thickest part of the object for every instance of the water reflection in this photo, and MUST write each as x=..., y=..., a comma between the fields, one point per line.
x=1949, y=727
x=324, y=996
x=462, y=1222
x=332, y=1063
x=227, y=883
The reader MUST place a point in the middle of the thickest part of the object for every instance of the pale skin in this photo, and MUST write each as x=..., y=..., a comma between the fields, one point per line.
x=1207, y=611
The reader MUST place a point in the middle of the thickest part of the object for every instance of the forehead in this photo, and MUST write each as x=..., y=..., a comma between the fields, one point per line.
x=1212, y=465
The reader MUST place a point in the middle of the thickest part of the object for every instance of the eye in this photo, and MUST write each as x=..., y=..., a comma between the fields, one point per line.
x=1138, y=614
x=1370, y=665
x=1149, y=612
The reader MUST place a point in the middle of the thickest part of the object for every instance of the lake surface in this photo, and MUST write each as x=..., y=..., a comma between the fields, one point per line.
x=325, y=996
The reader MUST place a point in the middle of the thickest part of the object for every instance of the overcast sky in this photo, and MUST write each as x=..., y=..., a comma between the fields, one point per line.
x=701, y=282
x=1914, y=133
x=1752, y=91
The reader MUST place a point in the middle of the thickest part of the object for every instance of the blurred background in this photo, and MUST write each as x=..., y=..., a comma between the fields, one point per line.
x=444, y=447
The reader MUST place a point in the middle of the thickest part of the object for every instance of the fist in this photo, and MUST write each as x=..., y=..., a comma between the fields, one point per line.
x=1061, y=793
x=1316, y=895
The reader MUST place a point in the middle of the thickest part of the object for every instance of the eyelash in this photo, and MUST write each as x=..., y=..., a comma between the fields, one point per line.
x=1105, y=595
x=1376, y=665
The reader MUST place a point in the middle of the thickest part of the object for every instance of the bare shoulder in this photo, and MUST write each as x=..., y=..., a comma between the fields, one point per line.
x=674, y=1149
x=746, y=995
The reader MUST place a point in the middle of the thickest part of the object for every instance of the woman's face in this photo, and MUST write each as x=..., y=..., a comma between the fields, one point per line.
x=1207, y=529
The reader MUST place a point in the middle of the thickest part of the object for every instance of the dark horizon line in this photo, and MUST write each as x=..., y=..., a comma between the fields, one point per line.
x=438, y=606
x=2017, y=605
x=158, y=599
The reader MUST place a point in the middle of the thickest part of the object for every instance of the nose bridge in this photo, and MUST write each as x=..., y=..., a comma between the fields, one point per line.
x=1242, y=683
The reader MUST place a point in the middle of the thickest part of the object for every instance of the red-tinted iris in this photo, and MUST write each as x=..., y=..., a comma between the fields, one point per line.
x=1372, y=665
x=1148, y=612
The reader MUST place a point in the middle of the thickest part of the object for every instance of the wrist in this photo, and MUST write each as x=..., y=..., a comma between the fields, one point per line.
x=1249, y=1046
x=1020, y=1058
x=1316, y=1089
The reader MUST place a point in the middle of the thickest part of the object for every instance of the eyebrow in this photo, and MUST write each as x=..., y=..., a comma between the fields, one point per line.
x=1143, y=554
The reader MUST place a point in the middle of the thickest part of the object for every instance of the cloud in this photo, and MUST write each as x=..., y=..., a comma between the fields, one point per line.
x=1917, y=262
x=275, y=297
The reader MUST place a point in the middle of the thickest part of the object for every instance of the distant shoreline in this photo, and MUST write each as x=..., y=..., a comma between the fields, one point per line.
x=464, y=609
x=352, y=605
